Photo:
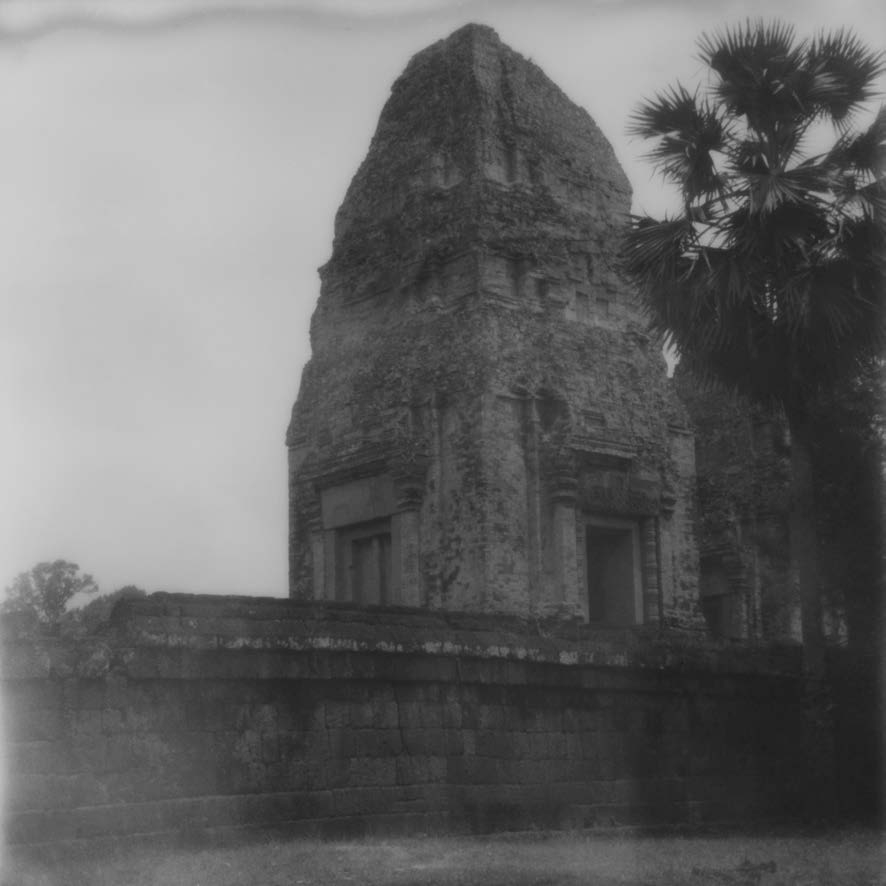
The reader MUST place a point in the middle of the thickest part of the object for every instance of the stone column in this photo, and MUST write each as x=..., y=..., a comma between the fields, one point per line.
x=649, y=544
x=567, y=599
x=532, y=468
x=665, y=556
x=407, y=550
x=318, y=556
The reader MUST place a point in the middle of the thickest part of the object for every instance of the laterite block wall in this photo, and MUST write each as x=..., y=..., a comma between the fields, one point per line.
x=196, y=712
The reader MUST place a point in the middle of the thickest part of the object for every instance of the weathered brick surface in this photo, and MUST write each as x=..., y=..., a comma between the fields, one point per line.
x=481, y=375
x=503, y=726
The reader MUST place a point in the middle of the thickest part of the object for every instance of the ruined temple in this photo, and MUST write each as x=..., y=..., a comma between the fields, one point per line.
x=485, y=435
x=485, y=423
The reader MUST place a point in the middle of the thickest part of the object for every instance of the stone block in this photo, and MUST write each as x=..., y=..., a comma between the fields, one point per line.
x=270, y=748
x=24, y=661
x=372, y=772
x=304, y=775
x=245, y=777
x=451, y=714
x=141, y=663
x=387, y=715
x=247, y=747
x=311, y=745
x=485, y=811
x=424, y=742
x=412, y=770
x=364, y=801
x=23, y=695
x=377, y=742
x=112, y=720
x=88, y=752
x=437, y=769
x=302, y=713
x=85, y=789
x=573, y=746
x=453, y=742
x=611, y=756
x=28, y=791
x=45, y=757
x=119, y=755
x=31, y=827
x=627, y=718
x=338, y=716
x=491, y=716
x=543, y=719
x=233, y=627
x=362, y=714
x=87, y=722
x=494, y=744
x=299, y=805
x=485, y=770
x=338, y=772
x=34, y=724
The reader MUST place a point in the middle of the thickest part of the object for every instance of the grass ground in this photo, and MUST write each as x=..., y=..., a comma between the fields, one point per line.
x=835, y=859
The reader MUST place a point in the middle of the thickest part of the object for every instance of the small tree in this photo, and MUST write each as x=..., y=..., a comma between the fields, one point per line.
x=96, y=613
x=46, y=590
x=770, y=279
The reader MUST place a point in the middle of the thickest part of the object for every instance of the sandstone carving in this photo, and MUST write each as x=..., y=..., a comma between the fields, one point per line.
x=484, y=423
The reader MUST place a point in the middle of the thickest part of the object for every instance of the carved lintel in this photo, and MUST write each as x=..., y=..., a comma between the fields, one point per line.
x=313, y=515
x=668, y=503
x=564, y=489
x=409, y=496
x=409, y=474
x=315, y=523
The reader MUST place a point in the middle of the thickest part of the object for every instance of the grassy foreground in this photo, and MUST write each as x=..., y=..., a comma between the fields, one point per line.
x=844, y=858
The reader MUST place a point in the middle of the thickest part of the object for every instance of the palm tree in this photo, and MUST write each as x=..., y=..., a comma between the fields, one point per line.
x=770, y=279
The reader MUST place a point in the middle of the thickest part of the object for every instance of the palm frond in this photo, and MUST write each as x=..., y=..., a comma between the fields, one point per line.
x=653, y=250
x=777, y=187
x=845, y=323
x=761, y=74
x=856, y=197
x=871, y=200
x=773, y=279
x=687, y=133
x=863, y=243
x=672, y=111
x=864, y=151
x=845, y=72
x=784, y=237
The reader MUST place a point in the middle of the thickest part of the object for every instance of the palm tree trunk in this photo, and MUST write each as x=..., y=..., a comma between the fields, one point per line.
x=804, y=547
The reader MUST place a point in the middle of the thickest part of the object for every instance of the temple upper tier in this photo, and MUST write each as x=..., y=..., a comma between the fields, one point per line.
x=484, y=423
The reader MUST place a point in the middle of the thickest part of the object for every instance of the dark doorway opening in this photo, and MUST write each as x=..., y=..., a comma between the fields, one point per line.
x=611, y=575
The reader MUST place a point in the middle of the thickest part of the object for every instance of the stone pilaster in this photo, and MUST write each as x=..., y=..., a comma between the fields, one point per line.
x=649, y=552
x=408, y=549
x=563, y=536
x=318, y=555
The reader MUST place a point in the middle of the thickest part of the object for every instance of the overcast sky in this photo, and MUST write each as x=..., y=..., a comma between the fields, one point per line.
x=170, y=175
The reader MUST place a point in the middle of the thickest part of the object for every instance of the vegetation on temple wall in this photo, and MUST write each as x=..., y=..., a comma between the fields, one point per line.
x=46, y=590
x=770, y=278
x=88, y=619
x=848, y=455
x=49, y=597
x=743, y=482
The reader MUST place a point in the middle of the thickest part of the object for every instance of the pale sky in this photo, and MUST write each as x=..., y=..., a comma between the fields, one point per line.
x=170, y=178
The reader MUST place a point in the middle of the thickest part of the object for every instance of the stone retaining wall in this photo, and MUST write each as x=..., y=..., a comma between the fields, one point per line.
x=195, y=712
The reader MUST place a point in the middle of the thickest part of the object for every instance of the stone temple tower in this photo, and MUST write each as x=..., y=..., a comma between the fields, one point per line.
x=484, y=423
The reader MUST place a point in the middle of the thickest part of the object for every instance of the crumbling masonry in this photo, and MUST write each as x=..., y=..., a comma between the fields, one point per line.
x=484, y=424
